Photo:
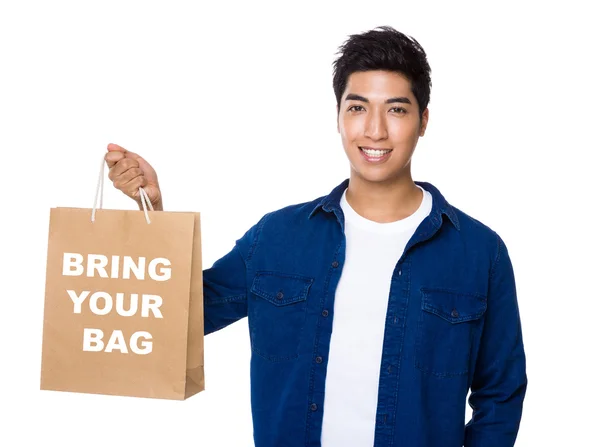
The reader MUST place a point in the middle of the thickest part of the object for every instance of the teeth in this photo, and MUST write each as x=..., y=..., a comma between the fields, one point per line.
x=375, y=152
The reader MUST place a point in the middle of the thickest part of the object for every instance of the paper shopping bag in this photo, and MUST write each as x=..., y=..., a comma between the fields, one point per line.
x=123, y=310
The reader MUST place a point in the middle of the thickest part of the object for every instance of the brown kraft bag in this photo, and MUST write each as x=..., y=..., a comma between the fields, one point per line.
x=123, y=312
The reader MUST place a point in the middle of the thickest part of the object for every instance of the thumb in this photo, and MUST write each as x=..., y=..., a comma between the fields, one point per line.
x=116, y=148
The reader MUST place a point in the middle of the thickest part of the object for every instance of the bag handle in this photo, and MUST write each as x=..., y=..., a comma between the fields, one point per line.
x=100, y=192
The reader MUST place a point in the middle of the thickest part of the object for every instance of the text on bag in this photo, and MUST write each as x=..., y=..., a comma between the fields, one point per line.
x=103, y=303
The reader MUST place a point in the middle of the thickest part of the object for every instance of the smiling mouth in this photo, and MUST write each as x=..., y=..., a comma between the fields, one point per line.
x=374, y=153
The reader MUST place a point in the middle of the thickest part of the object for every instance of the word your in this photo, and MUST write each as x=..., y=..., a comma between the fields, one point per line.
x=149, y=303
x=73, y=266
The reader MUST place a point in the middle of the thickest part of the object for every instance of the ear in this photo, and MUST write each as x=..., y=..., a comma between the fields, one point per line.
x=424, y=121
x=337, y=117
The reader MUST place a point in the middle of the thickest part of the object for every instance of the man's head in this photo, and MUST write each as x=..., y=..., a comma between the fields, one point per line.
x=382, y=85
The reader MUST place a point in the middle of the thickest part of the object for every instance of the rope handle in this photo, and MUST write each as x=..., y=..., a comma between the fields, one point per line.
x=100, y=192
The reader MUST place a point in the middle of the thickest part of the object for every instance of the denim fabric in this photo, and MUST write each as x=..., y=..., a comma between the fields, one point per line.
x=452, y=325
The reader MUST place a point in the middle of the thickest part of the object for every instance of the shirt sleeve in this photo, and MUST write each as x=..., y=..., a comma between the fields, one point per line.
x=499, y=380
x=225, y=284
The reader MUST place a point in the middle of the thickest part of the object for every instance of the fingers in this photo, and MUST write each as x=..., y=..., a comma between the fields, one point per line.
x=123, y=179
x=129, y=172
x=124, y=172
x=121, y=167
x=132, y=187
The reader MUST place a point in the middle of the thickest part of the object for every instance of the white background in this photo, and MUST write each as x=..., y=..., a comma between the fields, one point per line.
x=232, y=104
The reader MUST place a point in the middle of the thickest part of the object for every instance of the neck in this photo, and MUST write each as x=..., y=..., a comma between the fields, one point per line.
x=384, y=202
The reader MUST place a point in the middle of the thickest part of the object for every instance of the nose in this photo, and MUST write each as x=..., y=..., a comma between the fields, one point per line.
x=376, y=126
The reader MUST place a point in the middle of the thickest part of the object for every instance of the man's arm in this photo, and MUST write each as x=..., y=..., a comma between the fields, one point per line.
x=225, y=284
x=499, y=381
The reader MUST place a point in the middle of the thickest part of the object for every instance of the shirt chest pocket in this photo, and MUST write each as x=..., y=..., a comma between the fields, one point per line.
x=448, y=322
x=277, y=314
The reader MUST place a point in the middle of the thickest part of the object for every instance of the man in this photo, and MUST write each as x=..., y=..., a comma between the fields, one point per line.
x=372, y=310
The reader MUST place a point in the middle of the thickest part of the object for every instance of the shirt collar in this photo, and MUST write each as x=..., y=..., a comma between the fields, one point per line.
x=440, y=206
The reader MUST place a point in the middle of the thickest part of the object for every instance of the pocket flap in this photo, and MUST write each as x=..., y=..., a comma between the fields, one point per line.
x=281, y=288
x=453, y=306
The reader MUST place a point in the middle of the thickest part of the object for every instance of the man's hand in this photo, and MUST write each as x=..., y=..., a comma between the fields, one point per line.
x=128, y=172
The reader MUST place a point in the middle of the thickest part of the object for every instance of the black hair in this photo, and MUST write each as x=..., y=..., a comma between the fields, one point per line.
x=384, y=48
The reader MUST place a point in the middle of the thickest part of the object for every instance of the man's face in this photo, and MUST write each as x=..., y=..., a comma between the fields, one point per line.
x=379, y=112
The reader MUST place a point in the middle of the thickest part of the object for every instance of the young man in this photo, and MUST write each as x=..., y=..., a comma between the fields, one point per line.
x=372, y=310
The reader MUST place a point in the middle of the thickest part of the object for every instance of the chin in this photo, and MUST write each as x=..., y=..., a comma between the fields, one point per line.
x=373, y=176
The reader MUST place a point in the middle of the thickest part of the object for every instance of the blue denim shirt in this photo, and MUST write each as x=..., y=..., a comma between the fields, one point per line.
x=452, y=325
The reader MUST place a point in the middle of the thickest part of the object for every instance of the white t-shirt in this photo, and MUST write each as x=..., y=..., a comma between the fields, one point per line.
x=360, y=306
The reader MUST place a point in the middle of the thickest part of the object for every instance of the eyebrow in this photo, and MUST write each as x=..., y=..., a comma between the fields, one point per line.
x=355, y=97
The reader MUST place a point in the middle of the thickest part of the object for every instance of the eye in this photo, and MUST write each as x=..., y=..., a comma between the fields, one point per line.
x=398, y=109
x=355, y=108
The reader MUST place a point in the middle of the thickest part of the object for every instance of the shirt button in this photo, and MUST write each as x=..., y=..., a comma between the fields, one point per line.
x=313, y=407
x=335, y=264
x=399, y=272
x=325, y=313
x=319, y=359
x=454, y=313
x=279, y=295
